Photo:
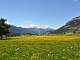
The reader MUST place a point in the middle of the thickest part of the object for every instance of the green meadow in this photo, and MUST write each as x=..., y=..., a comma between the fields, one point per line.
x=61, y=47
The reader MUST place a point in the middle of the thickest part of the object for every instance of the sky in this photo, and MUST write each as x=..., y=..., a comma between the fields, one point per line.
x=52, y=13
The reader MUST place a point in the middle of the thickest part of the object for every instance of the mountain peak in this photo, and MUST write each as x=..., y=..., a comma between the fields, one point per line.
x=36, y=26
x=30, y=29
x=76, y=18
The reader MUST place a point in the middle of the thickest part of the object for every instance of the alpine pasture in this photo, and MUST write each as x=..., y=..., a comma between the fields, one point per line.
x=59, y=47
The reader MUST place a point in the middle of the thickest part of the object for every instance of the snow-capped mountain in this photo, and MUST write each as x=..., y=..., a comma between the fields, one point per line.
x=31, y=29
x=36, y=26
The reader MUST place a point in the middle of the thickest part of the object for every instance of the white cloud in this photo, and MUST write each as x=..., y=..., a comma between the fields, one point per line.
x=3, y=15
x=7, y=22
x=69, y=10
x=77, y=12
x=26, y=21
x=75, y=0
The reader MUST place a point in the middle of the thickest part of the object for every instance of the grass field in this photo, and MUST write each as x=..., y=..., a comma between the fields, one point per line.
x=61, y=47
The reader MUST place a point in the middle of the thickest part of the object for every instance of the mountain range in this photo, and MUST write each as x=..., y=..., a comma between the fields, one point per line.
x=33, y=29
x=73, y=26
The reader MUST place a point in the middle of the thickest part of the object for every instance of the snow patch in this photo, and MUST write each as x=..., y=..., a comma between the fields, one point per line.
x=36, y=26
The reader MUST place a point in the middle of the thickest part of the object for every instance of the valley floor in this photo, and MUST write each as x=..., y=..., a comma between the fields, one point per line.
x=59, y=47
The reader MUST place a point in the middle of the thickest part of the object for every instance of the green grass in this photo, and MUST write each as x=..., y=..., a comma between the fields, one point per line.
x=21, y=48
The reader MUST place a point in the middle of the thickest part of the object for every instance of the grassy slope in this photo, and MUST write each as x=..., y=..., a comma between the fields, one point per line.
x=41, y=48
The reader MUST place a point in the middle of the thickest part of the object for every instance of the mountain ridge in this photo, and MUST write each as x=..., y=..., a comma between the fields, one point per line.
x=36, y=26
x=30, y=29
x=70, y=27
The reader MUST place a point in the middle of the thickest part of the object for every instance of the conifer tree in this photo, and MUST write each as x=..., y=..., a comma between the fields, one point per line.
x=3, y=27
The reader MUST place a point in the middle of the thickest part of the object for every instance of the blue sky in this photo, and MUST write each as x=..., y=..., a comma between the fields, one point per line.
x=53, y=13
